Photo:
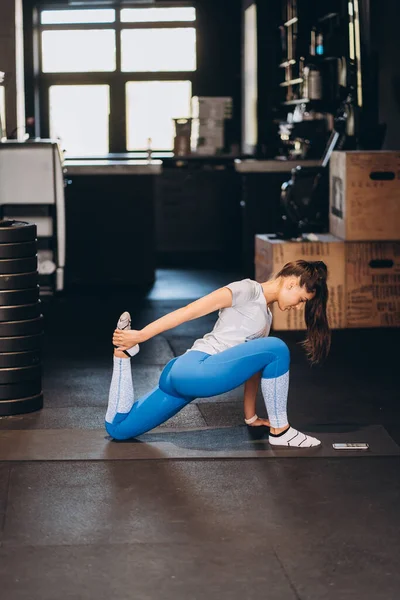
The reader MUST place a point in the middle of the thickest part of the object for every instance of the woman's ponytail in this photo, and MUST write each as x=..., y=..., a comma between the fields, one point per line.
x=318, y=341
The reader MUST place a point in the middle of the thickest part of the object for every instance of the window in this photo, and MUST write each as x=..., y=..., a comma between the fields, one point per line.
x=79, y=118
x=56, y=17
x=78, y=51
x=151, y=107
x=157, y=15
x=158, y=50
x=110, y=79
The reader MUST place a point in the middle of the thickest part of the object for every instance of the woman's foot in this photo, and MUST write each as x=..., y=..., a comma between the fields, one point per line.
x=120, y=354
x=124, y=323
x=260, y=423
x=290, y=437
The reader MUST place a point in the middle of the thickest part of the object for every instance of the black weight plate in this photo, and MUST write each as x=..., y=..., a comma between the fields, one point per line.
x=24, y=312
x=21, y=406
x=20, y=281
x=20, y=359
x=19, y=328
x=22, y=250
x=18, y=265
x=17, y=297
x=20, y=374
x=11, y=391
x=16, y=231
x=20, y=344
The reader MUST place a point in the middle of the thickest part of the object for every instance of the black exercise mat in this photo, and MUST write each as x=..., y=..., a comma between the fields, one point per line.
x=201, y=443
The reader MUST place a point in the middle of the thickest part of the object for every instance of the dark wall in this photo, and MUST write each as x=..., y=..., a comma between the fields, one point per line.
x=385, y=34
x=219, y=52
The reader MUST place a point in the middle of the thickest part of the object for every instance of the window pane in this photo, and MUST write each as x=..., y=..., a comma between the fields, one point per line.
x=157, y=15
x=79, y=117
x=151, y=106
x=51, y=17
x=78, y=51
x=158, y=49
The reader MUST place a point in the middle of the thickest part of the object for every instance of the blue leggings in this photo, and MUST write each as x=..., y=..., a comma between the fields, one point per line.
x=199, y=375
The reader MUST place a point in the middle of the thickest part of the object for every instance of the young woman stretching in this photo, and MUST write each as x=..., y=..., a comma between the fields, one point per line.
x=236, y=351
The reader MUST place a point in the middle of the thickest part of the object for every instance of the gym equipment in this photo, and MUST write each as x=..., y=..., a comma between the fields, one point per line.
x=21, y=405
x=16, y=231
x=17, y=297
x=21, y=323
x=21, y=250
x=19, y=344
x=18, y=265
x=14, y=391
x=20, y=374
x=19, y=328
x=23, y=312
x=37, y=196
x=20, y=281
x=19, y=359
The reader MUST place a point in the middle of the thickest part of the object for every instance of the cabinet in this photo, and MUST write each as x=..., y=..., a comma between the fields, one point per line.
x=197, y=214
x=110, y=229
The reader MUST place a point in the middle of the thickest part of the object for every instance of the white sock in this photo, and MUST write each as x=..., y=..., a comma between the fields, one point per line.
x=134, y=350
x=294, y=439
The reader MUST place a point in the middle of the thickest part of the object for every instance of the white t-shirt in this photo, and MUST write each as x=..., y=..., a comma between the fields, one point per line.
x=247, y=319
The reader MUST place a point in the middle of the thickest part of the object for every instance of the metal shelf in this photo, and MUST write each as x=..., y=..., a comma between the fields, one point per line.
x=291, y=82
x=328, y=16
x=291, y=22
x=299, y=101
x=293, y=102
x=287, y=63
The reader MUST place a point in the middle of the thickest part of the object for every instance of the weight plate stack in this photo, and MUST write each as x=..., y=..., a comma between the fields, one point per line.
x=21, y=322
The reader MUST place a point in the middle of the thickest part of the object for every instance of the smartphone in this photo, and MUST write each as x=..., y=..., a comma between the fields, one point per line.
x=351, y=446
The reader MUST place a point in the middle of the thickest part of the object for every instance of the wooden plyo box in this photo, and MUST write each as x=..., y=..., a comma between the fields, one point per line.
x=272, y=254
x=363, y=279
x=373, y=284
x=364, y=196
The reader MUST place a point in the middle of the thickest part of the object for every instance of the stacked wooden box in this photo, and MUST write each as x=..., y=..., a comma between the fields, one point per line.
x=362, y=250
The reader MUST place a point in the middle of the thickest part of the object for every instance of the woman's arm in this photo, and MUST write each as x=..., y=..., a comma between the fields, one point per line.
x=221, y=298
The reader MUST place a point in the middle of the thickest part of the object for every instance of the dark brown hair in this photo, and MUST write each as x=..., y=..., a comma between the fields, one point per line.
x=313, y=275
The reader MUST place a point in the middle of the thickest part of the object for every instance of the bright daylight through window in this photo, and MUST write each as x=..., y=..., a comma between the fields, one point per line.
x=151, y=107
x=90, y=89
x=79, y=118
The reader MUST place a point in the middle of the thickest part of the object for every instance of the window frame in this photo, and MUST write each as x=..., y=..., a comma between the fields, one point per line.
x=116, y=80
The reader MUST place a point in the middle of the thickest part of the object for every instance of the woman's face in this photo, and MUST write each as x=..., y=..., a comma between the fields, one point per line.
x=291, y=295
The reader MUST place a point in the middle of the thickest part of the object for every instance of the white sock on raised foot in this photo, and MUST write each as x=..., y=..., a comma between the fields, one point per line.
x=124, y=323
x=133, y=351
x=294, y=439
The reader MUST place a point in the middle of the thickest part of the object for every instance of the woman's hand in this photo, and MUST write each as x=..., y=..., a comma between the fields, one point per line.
x=126, y=339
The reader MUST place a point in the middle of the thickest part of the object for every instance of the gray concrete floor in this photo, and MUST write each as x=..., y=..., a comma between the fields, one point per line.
x=192, y=529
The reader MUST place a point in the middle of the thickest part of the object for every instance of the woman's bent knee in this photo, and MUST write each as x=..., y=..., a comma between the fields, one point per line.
x=280, y=365
x=281, y=348
x=114, y=431
x=120, y=431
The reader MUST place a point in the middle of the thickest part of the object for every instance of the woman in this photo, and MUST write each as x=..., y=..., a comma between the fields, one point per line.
x=236, y=351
